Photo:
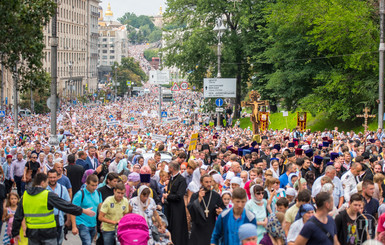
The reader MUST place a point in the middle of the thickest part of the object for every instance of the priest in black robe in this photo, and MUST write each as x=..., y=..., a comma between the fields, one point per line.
x=175, y=208
x=204, y=207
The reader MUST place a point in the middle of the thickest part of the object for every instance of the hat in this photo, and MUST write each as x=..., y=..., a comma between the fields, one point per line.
x=309, y=153
x=277, y=147
x=371, y=140
x=145, y=178
x=229, y=175
x=254, y=143
x=320, y=146
x=329, y=163
x=291, y=192
x=296, y=141
x=291, y=154
x=291, y=144
x=325, y=144
x=236, y=180
x=246, y=231
x=9, y=156
x=133, y=177
x=298, y=151
x=334, y=155
x=318, y=160
x=325, y=138
x=240, y=152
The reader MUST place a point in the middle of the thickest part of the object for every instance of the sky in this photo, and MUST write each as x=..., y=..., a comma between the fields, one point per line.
x=139, y=7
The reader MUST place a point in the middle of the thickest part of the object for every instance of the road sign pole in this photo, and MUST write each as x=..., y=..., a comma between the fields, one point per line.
x=160, y=103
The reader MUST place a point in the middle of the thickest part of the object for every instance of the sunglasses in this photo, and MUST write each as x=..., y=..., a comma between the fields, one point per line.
x=259, y=193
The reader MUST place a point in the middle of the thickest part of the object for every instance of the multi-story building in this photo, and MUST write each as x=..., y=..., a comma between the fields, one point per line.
x=113, y=42
x=77, y=32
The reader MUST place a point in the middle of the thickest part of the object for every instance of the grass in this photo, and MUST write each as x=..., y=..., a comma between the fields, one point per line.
x=317, y=123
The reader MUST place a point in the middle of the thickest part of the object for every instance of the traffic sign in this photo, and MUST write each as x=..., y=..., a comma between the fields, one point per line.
x=110, y=116
x=184, y=86
x=175, y=87
x=128, y=83
x=219, y=109
x=164, y=114
x=219, y=102
x=2, y=113
x=132, y=119
x=219, y=87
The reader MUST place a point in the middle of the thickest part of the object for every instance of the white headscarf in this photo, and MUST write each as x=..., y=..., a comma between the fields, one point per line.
x=195, y=183
x=142, y=206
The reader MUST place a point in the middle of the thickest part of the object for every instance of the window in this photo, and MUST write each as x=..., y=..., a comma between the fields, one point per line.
x=104, y=51
x=112, y=51
x=104, y=40
x=112, y=57
x=104, y=57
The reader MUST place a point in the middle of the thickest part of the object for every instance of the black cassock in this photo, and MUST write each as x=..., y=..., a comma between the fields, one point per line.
x=176, y=210
x=203, y=227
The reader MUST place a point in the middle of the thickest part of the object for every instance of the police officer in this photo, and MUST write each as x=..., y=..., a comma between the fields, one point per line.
x=349, y=180
x=36, y=206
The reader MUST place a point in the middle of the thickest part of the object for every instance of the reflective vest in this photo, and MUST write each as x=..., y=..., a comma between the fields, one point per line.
x=36, y=212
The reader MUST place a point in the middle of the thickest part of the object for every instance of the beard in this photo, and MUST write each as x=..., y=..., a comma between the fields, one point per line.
x=207, y=189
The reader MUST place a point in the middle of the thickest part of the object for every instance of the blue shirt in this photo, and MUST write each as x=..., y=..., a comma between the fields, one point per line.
x=86, y=165
x=62, y=192
x=226, y=227
x=90, y=200
x=284, y=179
x=315, y=235
x=65, y=181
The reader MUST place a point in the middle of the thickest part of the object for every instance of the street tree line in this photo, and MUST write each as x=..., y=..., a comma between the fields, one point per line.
x=315, y=55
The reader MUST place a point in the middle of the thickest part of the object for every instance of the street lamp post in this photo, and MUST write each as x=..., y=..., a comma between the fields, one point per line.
x=70, y=81
x=54, y=43
x=381, y=66
x=15, y=105
x=220, y=28
x=116, y=83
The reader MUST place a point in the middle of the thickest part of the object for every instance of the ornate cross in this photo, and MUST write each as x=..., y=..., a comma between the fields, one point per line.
x=366, y=116
x=255, y=103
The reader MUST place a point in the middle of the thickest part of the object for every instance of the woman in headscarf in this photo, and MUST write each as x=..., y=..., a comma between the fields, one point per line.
x=275, y=235
x=257, y=205
x=194, y=185
x=304, y=213
x=145, y=206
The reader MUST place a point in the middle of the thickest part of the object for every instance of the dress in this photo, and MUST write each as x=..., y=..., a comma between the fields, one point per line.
x=260, y=214
x=7, y=238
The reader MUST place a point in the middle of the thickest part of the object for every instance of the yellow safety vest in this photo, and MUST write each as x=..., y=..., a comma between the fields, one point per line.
x=36, y=212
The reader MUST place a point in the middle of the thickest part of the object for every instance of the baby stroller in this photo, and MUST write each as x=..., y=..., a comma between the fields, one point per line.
x=133, y=230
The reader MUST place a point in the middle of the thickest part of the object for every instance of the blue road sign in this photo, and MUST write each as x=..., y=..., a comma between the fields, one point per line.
x=164, y=114
x=2, y=113
x=219, y=102
x=110, y=116
x=6, y=100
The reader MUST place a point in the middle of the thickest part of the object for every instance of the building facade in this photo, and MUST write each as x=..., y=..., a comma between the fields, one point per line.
x=113, y=43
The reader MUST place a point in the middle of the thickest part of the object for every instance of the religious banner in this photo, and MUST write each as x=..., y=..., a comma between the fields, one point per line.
x=193, y=142
x=301, y=120
x=264, y=120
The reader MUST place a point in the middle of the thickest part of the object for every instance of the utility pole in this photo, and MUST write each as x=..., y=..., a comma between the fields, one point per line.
x=160, y=103
x=220, y=28
x=2, y=91
x=116, y=84
x=15, y=105
x=32, y=102
x=381, y=67
x=53, y=141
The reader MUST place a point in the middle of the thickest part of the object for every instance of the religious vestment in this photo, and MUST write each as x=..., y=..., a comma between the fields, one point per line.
x=202, y=224
x=176, y=210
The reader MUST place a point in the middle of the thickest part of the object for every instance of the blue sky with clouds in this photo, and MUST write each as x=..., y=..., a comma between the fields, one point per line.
x=139, y=7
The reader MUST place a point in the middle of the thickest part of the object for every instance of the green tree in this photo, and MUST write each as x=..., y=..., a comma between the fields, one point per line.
x=128, y=70
x=21, y=38
x=40, y=95
x=150, y=53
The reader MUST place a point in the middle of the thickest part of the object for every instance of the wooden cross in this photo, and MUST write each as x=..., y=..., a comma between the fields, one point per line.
x=255, y=103
x=366, y=116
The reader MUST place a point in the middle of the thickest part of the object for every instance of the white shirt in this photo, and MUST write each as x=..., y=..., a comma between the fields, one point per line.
x=349, y=183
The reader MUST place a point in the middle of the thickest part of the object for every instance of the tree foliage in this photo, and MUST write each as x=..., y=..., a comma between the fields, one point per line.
x=141, y=28
x=316, y=55
x=128, y=70
x=21, y=38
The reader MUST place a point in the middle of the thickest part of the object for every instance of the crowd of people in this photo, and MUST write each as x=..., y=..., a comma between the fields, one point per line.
x=122, y=175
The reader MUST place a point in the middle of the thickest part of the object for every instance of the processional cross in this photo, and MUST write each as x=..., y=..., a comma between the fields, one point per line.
x=366, y=116
x=255, y=103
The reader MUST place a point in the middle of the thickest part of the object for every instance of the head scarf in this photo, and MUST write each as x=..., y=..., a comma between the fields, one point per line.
x=86, y=174
x=274, y=227
x=142, y=206
x=133, y=177
x=303, y=210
